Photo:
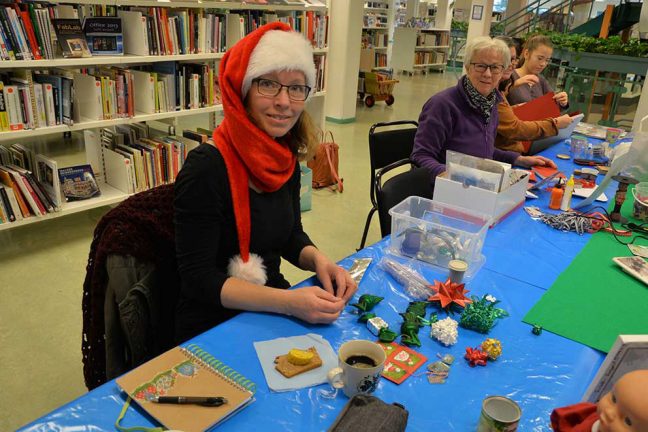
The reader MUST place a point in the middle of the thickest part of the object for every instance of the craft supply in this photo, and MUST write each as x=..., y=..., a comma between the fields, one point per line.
x=499, y=414
x=457, y=270
x=620, y=196
x=401, y=362
x=492, y=347
x=415, y=285
x=366, y=317
x=612, y=135
x=574, y=221
x=410, y=328
x=418, y=308
x=563, y=156
x=480, y=315
x=476, y=357
x=556, y=197
x=637, y=250
x=358, y=269
x=367, y=302
x=536, y=330
x=438, y=372
x=449, y=294
x=445, y=331
x=566, y=199
x=284, y=363
x=578, y=146
x=375, y=324
x=187, y=371
x=387, y=335
x=640, y=205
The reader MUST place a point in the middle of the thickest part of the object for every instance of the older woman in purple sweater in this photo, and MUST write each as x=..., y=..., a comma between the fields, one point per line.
x=464, y=118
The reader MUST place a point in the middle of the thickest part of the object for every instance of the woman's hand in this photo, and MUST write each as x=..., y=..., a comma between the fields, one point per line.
x=529, y=80
x=330, y=273
x=562, y=99
x=563, y=121
x=529, y=161
x=314, y=305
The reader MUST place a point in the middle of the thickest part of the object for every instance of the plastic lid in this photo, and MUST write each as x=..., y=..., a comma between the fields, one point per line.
x=458, y=265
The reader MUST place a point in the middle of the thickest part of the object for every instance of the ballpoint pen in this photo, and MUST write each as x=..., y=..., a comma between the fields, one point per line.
x=211, y=401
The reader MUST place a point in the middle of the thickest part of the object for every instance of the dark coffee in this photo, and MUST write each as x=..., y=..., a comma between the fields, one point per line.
x=361, y=361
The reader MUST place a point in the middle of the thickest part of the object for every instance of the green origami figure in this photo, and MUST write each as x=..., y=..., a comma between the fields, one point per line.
x=366, y=317
x=387, y=335
x=418, y=308
x=366, y=302
x=409, y=334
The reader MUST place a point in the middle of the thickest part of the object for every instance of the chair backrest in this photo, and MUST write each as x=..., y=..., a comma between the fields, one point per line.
x=389, y=146
x=415, y=182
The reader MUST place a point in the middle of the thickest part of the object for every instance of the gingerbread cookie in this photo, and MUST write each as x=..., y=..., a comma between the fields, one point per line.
x=297, y=362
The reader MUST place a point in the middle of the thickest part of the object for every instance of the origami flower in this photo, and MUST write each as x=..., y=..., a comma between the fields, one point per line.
x=448, y=293
x=476, y=357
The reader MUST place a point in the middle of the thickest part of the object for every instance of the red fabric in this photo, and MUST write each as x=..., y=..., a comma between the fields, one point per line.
x=574, y=418
x=249, y=153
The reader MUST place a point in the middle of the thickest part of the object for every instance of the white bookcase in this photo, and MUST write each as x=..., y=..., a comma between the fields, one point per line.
x=69, y=151
x=419, y=50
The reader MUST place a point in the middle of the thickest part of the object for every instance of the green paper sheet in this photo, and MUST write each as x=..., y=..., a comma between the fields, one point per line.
x=593, y=300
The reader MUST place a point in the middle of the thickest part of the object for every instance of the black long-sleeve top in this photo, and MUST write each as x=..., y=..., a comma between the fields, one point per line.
x=206, y=236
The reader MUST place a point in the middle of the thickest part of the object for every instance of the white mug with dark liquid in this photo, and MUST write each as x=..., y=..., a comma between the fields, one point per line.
x=360, y=364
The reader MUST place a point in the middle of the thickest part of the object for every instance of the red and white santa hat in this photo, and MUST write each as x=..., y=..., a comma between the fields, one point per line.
x=280, y=50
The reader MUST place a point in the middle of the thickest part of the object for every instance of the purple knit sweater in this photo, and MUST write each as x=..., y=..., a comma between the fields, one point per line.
x=448, y=122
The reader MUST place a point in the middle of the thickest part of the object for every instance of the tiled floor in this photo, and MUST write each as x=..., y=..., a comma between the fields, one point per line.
x=42, y=268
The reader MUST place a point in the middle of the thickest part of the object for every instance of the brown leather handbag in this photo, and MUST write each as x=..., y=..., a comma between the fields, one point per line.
x=325, y=164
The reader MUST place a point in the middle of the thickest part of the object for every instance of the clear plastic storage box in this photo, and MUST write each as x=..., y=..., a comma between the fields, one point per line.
x=437, y=233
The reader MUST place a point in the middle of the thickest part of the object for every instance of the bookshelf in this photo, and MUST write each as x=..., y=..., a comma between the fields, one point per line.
x=419, y=50
x=69, y=135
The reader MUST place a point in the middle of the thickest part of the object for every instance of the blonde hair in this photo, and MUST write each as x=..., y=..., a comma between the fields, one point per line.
x=535, y=42
x=304, y=137
x=485, y=43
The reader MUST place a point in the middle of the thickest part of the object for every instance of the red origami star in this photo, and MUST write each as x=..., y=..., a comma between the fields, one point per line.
x=449, y=292
x=475, y=357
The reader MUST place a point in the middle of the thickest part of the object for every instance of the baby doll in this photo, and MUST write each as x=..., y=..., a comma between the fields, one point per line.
x=624, y=409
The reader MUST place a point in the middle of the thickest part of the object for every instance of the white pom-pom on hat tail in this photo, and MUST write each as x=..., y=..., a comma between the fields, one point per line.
x=252, y=271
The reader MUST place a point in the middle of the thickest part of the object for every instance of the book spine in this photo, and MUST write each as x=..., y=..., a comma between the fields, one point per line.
x=4, y=115
x=18, y=31
x=11, y=216
x=49, y=104
x=31, y=36
x=8, y=30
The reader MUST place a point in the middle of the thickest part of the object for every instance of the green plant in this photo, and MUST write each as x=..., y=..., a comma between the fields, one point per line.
x=612, y=45
x=459, y=26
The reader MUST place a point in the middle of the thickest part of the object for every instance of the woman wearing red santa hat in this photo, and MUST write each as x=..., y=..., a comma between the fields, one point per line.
x=237, y=201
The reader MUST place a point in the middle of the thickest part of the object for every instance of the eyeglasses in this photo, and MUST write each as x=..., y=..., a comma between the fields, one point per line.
x=495, y=69
x=268, y=87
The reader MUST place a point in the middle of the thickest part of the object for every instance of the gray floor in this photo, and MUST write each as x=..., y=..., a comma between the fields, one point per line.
x=42, y=267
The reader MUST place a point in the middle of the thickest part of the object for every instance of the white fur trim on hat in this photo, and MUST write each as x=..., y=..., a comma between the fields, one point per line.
x=252, y=271
x=280, y=50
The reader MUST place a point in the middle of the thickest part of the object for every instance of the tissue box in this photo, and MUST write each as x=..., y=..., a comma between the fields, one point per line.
x=437, y=233
x=497, y=205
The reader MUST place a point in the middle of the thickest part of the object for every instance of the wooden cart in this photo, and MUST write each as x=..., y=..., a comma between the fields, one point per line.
x=378, y=88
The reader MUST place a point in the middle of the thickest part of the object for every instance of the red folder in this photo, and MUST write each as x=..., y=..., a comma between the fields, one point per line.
x=540, y=108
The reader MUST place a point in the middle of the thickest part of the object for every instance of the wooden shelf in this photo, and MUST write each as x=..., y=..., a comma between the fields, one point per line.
x=105, y=60
x=375, y=28
x=428, y=65
x=379, y=48
x=109, y=195
x=372, y=9
x=434, y=29
x=197, y=4
x=10, y=136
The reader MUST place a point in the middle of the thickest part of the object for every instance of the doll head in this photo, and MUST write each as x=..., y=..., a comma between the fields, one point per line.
x=625, y=408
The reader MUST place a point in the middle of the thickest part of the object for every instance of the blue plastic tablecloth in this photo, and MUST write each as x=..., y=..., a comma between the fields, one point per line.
x=523, y=258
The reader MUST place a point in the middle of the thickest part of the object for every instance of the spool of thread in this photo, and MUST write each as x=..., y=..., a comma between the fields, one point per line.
x=457, y=270
x=556, y=197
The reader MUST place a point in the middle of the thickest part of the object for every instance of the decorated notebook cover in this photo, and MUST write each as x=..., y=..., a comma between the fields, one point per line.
x=401, y=361
x=188, y=371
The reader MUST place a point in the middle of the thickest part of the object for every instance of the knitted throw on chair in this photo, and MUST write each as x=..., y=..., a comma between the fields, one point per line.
x=142, y=227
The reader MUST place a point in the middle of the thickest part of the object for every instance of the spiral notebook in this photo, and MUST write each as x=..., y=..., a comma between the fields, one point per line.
x=188, y=371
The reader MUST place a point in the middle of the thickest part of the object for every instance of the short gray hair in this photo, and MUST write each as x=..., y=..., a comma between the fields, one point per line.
x=485, y=43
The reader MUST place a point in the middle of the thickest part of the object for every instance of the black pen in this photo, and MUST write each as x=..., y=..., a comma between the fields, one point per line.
x=211, y=401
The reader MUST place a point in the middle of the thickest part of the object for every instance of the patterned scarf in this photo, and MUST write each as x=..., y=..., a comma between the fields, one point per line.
x=483, y=104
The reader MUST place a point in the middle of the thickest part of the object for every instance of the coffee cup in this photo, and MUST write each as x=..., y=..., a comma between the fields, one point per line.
x=612, y=135
x=360, y=363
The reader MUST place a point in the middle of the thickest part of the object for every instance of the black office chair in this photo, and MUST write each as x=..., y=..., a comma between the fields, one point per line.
x=386, y=147
x=415, y=182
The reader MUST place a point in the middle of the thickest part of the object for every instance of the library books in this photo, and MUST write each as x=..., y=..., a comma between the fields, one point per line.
x=70, y=38
x=104, y=35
